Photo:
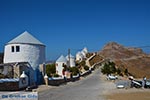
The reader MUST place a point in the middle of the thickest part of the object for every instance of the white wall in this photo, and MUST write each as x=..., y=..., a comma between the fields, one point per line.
x=79, y=57
x=59, y=67
x=72, y=62
x=34, y=54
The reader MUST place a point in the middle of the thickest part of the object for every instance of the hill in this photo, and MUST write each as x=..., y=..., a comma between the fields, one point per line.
x=134, y=59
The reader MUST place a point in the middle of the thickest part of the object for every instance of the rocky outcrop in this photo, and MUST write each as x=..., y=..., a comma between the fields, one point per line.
x=134, y=59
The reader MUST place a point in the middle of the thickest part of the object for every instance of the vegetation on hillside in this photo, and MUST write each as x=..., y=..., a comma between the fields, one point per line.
x=109, y=68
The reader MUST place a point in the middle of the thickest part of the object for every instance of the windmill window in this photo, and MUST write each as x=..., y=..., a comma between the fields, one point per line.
x=12, y=49
x=17, y=48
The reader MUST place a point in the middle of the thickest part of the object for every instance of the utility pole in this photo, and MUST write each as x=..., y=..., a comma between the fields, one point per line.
x=69, y=57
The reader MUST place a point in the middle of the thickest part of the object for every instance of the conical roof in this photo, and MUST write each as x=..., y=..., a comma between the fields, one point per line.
x=25, y=38
x=23, y=75
x=85, y=50
x=61, y=59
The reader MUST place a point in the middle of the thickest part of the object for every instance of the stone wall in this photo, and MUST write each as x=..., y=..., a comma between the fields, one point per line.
x=57, y=82
x=9, y=86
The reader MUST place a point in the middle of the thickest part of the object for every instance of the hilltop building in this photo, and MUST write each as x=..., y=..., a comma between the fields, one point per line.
x=84, y=52
x=81, y=54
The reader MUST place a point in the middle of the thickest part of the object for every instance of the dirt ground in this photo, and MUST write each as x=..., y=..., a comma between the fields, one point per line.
x=144, y=95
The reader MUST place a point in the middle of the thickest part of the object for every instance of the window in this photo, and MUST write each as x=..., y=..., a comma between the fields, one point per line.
x=17, y=48
x=12, y=49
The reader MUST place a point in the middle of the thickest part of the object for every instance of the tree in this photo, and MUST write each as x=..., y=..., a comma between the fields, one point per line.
x=109, y=68
x=50, y=69
x=126, y=72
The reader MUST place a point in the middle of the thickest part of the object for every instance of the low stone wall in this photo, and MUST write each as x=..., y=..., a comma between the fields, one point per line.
x=73, y=79
x=86, y=73
x=57, y=82
x=9, y=86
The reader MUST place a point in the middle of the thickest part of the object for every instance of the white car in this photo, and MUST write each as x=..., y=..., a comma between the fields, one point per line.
x=111, y=77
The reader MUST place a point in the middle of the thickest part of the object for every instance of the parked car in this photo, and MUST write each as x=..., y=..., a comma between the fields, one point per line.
x=136, y=84
x=147, y=84
x=112, y=77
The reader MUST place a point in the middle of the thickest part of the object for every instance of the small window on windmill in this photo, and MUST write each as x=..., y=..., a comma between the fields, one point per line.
x=12, y=49
x=17, y=48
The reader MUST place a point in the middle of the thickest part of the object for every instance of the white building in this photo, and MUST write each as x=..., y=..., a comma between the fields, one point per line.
x=84, y=52
x=71, y=62
x=25, y=48
x=61, y=61
x=81, y=55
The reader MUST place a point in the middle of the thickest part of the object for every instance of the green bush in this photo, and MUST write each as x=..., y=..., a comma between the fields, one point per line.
x=118, y=71
x=126, y=72
x=50, y=69
x=86, y=67
x=74, y=70
x=56, y=75
x=82, y=63
x=109, y=68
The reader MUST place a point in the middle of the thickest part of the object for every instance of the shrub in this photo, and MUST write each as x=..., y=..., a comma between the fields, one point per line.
x=74, y=70
x=82, y=63
x=50, y=69
x=118, y=71
x=56, y=75
x=86, y=67
x=109, y=68
x=126, y=72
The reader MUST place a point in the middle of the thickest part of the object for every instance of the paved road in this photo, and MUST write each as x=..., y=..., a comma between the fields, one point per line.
x=90, y=88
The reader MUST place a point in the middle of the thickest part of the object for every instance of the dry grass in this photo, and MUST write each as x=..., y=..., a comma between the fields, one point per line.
x=130, y=96
x=95, y=59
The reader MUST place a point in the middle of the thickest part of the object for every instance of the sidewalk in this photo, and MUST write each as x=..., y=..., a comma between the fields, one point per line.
x=42, y=88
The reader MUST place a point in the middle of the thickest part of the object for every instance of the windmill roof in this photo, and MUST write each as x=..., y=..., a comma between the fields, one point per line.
x=61, y=59
x=26, y=38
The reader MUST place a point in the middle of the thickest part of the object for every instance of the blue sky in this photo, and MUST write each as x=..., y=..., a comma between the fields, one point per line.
x=74, y=24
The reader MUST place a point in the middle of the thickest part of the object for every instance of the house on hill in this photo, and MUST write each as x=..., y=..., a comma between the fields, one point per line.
x=81, y=54
x=26, y=48
x=84, y=52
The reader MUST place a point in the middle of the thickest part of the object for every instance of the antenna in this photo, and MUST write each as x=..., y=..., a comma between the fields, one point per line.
x=69, y=57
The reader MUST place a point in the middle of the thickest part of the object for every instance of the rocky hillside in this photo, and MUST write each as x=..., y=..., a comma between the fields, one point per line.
x=133, y=59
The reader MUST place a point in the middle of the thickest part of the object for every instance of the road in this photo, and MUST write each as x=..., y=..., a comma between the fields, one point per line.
x=89, y=88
